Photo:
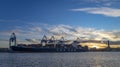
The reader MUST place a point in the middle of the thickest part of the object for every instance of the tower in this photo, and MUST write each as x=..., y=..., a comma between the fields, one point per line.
x=108, y=43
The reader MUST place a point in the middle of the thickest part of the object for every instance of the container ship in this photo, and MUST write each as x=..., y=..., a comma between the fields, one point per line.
x=47, y=45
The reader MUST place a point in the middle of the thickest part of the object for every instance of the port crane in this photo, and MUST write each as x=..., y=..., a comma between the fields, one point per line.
x=12, y=39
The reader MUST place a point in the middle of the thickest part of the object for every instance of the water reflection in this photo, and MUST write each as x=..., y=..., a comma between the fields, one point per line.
x=87, y=59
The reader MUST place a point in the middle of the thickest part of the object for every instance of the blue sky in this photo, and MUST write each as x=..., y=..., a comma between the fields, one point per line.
x=97, y=19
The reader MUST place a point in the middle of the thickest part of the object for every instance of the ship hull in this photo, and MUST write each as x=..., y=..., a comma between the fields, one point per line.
x=45, y=49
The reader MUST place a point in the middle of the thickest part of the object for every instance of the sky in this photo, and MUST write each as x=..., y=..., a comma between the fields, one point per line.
x=86, y=19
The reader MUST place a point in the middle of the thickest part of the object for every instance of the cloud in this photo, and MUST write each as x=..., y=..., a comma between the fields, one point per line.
x=71, y=32
x=33, y=40
x=111, y=12
x=33, y=34
x=105, y=3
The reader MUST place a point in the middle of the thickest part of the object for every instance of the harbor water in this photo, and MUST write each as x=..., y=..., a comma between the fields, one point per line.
x=82, y=59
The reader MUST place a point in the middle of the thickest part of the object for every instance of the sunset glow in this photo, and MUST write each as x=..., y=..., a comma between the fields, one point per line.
x=86, y=19
x=97, y=47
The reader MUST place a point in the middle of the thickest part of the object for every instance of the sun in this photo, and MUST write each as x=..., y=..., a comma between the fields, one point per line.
x=97, y=47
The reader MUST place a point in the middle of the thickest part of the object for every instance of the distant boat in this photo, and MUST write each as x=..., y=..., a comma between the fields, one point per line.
x=47, y=45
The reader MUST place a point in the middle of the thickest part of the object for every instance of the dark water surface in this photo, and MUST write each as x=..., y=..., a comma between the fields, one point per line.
x=83, y=59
